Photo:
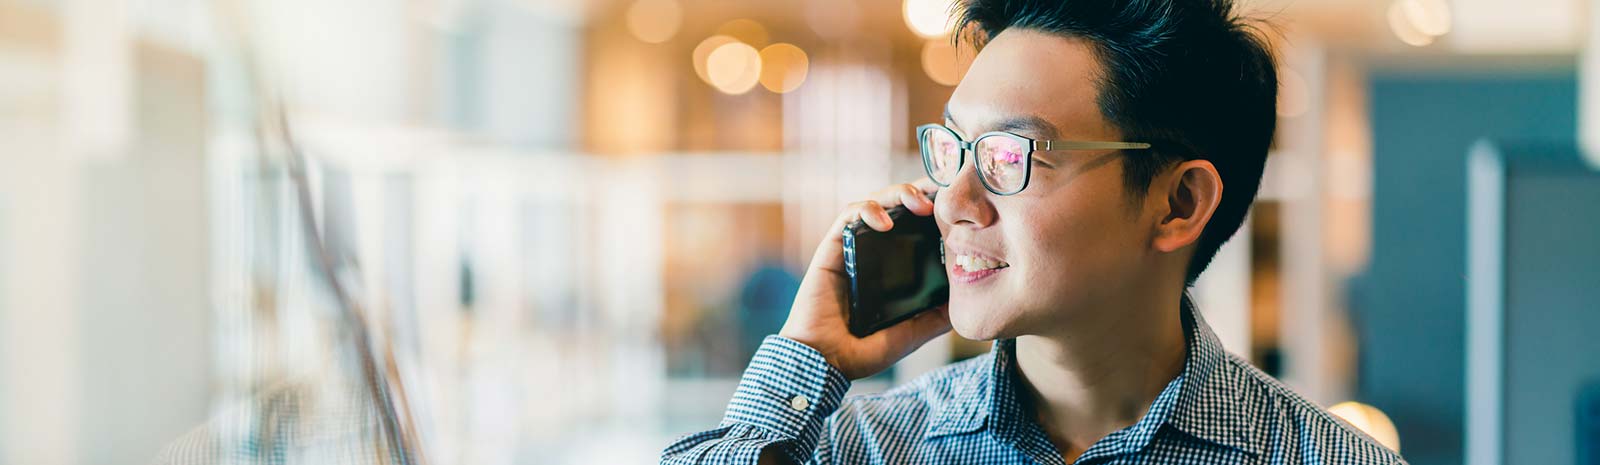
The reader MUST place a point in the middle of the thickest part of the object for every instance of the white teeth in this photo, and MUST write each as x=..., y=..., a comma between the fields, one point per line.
x=975, y=263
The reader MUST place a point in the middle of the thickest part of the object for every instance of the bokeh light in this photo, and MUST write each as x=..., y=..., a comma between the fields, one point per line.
x=703, y=51
x=734, y=68
x=929, y=18
x=1431, y=17
x=1419, y=22
x=1369, y=420
x=940, y=62
x=745, y=30
x=783, y=67
x=1405, y=29
x=654, y=21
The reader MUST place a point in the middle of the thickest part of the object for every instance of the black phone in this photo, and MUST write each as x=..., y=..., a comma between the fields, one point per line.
x=894, y=275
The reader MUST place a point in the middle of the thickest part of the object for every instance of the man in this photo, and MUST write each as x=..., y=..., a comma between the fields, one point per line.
x=1149, y=122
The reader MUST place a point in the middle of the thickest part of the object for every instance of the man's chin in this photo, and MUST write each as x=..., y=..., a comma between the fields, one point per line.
x=969, y=324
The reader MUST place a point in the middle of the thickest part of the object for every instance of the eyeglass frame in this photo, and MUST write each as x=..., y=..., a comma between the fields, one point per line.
x=1032, y=145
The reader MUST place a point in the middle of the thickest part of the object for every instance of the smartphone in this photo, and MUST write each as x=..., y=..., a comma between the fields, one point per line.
x=894, y=275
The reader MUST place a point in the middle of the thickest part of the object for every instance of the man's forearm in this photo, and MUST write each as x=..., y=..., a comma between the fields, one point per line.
x=778, y=414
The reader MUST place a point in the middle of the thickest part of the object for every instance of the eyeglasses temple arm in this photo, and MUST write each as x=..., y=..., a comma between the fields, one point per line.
x=1081, y=145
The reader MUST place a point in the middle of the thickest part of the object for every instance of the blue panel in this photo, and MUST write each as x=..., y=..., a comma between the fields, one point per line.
x=1552, y=302
x=1409, y=307
x=1589, y=425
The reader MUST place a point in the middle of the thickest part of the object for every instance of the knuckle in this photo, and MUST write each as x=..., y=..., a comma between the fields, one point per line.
x=891, y=192
x=860, y=209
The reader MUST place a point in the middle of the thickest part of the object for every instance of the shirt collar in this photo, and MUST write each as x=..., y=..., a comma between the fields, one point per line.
x=974, y=396
x=1212, y=405
x=1199, y=402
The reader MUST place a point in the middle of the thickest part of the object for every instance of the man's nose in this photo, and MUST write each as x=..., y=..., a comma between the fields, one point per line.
x=965, y=202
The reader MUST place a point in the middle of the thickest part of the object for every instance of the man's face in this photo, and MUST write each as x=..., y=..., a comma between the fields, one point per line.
x=1073, y=242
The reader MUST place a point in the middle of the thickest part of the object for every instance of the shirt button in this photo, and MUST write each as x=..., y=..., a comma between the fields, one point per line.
x=799, y=403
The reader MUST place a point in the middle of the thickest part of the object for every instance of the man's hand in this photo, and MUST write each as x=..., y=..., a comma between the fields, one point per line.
x=818, y=316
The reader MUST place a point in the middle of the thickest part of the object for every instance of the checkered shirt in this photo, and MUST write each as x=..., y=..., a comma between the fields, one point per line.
x=1219, y=410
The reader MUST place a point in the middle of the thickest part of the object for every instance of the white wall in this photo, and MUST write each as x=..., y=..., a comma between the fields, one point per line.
x=103, y=289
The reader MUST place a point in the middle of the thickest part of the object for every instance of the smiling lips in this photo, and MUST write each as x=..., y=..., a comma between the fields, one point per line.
x=970, y=267
x=978, y=263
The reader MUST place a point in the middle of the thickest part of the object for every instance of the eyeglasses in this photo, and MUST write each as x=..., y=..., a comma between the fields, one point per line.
x=1005, y=160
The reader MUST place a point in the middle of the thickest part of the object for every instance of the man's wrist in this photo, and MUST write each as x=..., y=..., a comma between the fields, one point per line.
x=814, y=346
x=788, y=391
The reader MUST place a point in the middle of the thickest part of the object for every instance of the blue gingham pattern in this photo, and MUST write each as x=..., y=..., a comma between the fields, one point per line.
x=1218, y=410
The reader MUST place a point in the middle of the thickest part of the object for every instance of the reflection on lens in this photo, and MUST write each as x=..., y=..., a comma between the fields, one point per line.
x=1003, y=162
x=944, y=154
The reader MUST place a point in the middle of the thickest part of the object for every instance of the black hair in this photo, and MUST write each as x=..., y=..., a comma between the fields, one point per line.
x=1188, y=76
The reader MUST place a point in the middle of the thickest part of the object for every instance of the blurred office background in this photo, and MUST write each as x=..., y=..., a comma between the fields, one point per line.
x=568, y=223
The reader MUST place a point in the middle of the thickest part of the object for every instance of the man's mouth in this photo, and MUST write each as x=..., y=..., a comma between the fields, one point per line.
x=974, y=263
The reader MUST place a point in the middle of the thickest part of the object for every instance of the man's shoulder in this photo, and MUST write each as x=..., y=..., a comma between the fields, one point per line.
x=1287, y=424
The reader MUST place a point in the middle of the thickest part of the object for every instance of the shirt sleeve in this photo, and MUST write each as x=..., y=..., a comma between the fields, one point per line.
x=784, y=400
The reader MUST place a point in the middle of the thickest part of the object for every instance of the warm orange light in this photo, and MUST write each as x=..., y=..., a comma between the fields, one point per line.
x=833, y=19
x=1406, y=29
x=928, y=18
x=783, y=67
x=734, y=67
x=703, y=51
x=654, y=21
x=1369, y=420
x=941, y=63
x=746, y=30
x=1431, y=17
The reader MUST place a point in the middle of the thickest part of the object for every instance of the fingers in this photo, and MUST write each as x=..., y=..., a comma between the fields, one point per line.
x=908, y=195
x=874, y=214
x=913, y=195
x=830, y=254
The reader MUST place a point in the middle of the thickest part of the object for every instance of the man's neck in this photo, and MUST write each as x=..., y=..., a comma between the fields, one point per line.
x=1088, y=381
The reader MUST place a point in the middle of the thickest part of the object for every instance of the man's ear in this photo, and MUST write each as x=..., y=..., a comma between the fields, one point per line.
x=1193, y=191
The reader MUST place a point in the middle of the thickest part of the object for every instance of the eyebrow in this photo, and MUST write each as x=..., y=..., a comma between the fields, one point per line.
x=1029, y=124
